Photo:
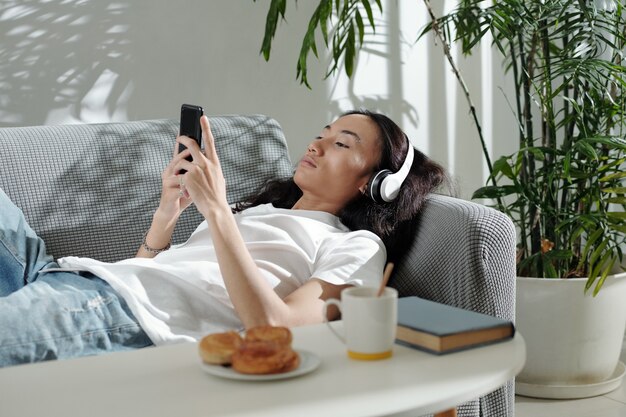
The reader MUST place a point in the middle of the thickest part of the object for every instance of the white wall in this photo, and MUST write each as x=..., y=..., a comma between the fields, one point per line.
x=80, y=61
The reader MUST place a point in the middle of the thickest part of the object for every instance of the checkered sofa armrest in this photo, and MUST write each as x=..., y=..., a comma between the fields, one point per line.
x=90, y=189
x=463, y=254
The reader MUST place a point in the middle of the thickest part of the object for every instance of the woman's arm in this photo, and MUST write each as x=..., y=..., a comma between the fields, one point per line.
x=254, y=299
x=174, y=200
x=158, y=237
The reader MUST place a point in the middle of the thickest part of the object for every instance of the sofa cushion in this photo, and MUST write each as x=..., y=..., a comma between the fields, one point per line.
x=91, y=189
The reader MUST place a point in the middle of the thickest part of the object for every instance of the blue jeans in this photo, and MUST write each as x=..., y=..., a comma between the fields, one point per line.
x=54, y=315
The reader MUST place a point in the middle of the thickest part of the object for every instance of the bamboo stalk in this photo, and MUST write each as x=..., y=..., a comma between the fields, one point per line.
x=446, y=50
x=529, y=159
x=524, y=168
x=549, y=223
x=459, y=77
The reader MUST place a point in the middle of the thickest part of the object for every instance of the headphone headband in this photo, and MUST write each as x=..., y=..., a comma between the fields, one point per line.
x=385, y=185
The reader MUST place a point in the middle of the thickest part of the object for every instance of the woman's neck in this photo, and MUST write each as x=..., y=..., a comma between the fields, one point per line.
x=307, y=203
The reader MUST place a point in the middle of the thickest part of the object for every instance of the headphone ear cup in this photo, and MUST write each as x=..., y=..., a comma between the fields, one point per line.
x=385, y=185
x=374, y=186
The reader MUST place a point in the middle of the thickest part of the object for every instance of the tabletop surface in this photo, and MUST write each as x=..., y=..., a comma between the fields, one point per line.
x=169, y=381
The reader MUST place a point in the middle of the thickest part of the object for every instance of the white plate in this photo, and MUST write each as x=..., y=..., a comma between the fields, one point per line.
x=308, y=363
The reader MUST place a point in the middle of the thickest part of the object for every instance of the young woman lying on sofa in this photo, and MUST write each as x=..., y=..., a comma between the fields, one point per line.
x=273, y=261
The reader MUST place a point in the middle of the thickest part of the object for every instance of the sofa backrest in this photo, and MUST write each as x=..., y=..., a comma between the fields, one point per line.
x=91, y=189
x=462, y=254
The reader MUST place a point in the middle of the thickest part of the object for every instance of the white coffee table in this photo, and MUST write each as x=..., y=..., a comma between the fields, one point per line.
x=168, y=381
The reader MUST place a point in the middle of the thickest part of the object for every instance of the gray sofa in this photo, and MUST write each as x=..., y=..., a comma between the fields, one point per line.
x=90, y=190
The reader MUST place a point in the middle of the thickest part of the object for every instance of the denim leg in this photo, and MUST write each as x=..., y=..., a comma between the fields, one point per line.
x=22, y=252
x=65, y=315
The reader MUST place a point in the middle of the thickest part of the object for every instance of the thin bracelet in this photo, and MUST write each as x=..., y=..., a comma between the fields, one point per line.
x=152, y=250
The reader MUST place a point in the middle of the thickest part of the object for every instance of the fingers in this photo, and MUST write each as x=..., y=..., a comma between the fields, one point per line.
x=203, y=182
x=173, y=167
x=209, y=140
x=182, y=189
x=192, y=146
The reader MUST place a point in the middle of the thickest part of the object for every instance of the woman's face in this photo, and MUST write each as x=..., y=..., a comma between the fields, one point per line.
x=339, y=162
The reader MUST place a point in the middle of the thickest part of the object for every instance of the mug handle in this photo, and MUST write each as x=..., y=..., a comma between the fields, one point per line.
x=336, y=303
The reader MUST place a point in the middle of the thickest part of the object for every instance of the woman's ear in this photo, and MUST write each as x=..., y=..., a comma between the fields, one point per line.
x=365, y=181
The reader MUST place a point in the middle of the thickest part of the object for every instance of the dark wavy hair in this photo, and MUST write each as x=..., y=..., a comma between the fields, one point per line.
x=393, y=221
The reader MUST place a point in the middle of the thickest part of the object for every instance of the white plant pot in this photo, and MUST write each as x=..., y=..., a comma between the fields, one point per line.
x=573, y=340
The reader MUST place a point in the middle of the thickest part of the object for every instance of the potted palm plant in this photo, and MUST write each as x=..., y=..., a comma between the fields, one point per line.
x=564, y=187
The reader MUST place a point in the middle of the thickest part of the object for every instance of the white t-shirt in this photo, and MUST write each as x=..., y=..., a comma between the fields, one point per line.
x=179, y=295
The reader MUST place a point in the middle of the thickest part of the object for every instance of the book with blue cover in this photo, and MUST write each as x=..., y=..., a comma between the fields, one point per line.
x=440, y=328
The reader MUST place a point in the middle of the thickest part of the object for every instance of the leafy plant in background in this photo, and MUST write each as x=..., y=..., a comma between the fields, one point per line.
x=341, y=23
x=566, y=179
x=564, y=188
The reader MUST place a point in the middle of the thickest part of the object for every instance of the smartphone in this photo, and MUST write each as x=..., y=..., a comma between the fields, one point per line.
x=190, y=126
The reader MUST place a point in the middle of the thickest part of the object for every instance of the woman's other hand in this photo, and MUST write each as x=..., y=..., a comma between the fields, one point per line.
x=174, y=197
x=174, y=200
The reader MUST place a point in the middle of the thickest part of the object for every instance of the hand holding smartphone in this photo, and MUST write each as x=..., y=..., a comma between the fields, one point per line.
x=190, y=126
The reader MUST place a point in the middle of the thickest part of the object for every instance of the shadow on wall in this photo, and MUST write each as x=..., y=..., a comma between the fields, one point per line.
x=81, y=61
x=386, y=45
x=53, y=54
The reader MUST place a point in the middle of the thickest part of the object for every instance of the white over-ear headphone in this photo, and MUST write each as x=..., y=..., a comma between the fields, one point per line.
x=385, y=185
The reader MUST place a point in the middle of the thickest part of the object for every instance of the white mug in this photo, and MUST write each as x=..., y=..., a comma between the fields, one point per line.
x=369, y=321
